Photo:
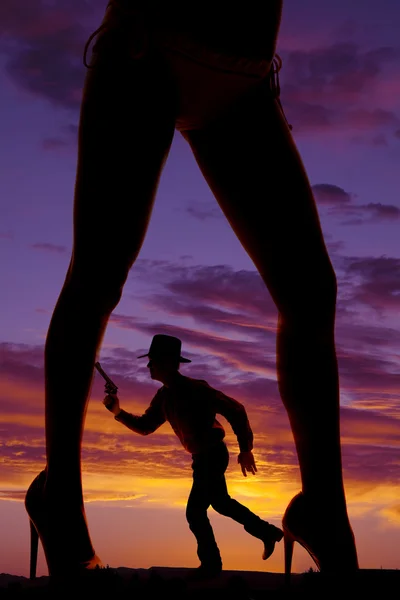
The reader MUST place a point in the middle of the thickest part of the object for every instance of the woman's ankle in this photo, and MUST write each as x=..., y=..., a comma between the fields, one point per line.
x=325, y=498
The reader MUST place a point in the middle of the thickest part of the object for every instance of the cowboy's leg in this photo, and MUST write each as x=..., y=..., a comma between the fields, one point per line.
x=196, y=514
x=223, y=503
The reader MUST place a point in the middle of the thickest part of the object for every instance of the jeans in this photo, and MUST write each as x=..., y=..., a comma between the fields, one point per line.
x=209, y=489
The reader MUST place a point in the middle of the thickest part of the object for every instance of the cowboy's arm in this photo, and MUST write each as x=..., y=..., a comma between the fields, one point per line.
x=147, y=423
x=236, y=415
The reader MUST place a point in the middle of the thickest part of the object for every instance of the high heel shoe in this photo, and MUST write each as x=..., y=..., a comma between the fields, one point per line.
x=58, y=535
x=330, y=544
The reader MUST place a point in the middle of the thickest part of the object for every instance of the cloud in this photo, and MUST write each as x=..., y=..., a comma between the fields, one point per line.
x=380, y=140
x=54, y=144
x=22, y=445
x=332, y=195
x=340, y=203
x=392, y=513
x=238, y=301
x=54, y=248
x=231, y=353
x=218, y=285
x=233, y=314
x=342, y=66
x=338, y=88
x=16, y=358
x=378, y=282
x=380, y=211
x=67, y=140
x=203, y=212
x=229, y=331
x=32, y=19
x=371, y=447
x=44, y=47
x=227, y=322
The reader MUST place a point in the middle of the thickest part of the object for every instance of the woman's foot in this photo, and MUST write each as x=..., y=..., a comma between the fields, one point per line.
x=62, y=530
x=323, y=530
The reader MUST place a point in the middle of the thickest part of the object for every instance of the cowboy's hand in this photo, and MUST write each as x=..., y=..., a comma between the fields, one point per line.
x=110, y=389
x=111, y=402
x=247, y=462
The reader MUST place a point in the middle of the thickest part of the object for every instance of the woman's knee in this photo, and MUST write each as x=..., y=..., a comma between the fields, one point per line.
x=312, y=300
x=93, y=287
x=322, y=294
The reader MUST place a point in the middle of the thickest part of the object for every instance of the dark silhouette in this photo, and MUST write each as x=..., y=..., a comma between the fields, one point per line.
x=190, y=406
x=156, y=68
x=164, y=582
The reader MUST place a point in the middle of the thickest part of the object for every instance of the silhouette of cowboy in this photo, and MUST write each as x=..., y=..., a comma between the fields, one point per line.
x=190, y=406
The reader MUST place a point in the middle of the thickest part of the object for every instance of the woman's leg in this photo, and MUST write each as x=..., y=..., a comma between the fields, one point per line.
x=252, y=166
x=126, y=128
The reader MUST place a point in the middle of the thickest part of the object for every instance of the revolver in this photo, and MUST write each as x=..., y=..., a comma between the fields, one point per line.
x=107, y=378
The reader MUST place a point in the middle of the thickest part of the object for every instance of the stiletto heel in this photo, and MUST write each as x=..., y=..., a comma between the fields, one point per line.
x=329, y=541
x=288, y=543
x=34, y=550
x=65, y=540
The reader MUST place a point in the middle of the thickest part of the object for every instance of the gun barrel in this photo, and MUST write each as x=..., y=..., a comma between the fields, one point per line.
x=104, y=375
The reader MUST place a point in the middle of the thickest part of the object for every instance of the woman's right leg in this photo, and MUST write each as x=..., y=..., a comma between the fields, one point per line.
x=126, y=128
x=254, y=170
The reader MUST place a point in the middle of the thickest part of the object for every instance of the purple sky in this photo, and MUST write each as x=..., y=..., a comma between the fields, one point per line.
x=341, y=91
